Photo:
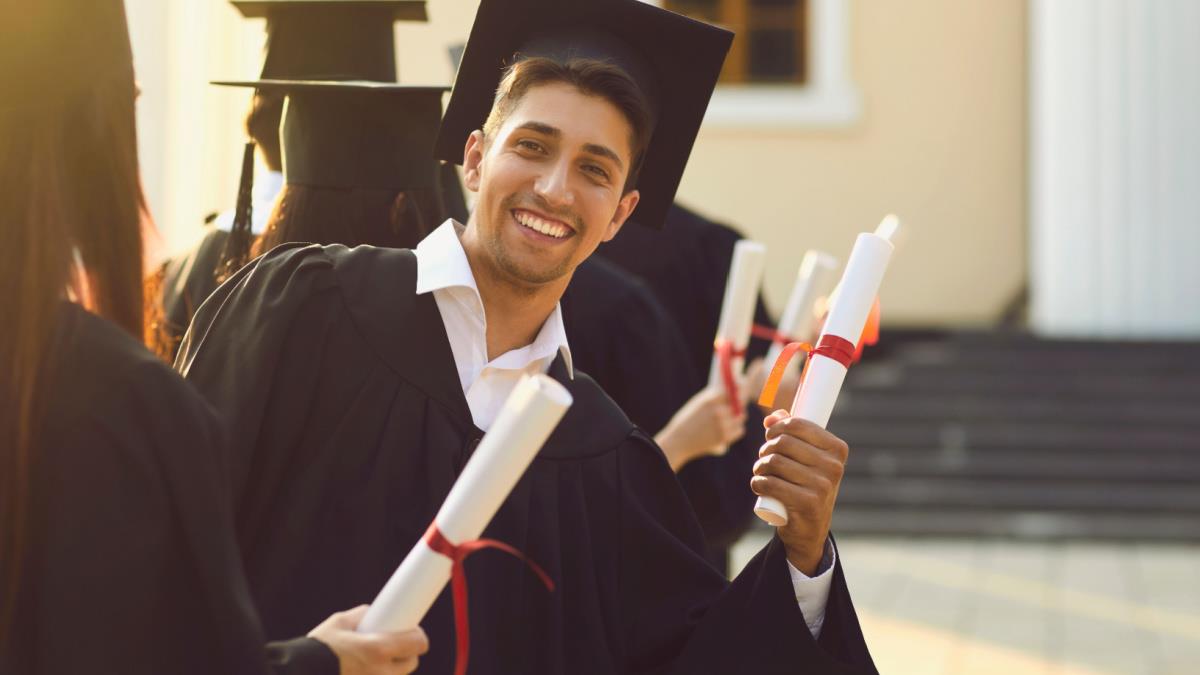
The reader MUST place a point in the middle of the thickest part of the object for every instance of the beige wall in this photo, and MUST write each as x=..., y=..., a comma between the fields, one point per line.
x=941, y=142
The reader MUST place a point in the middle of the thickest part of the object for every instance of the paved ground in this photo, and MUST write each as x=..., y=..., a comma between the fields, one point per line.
x=947, y=607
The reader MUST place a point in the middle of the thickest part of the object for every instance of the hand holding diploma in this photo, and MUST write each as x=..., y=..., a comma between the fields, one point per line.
x=390, y=653
x=816, y=480
x=737, y=319
x=529, y=415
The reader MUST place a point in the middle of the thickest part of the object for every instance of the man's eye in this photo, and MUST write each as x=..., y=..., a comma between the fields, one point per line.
x=530, y=145
x=595, y=170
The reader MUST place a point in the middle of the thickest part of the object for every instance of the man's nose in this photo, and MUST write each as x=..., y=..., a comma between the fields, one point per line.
x=554, y=185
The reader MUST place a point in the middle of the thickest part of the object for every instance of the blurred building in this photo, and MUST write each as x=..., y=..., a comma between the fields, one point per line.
x=1042, y=150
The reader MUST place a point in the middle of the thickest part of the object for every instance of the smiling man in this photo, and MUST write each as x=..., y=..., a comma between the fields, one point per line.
x=357, y=382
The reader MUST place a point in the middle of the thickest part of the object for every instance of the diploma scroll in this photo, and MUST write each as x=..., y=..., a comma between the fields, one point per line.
x=530, y=414
x=814, y=280
x=737, y=315
x=826, y=367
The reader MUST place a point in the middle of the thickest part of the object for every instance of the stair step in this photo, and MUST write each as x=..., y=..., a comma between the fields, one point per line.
x=1046, y=436
x=1025, y=524
x=855, y=406
x=959, y=493
x=1089, y=384
x=1023, y=465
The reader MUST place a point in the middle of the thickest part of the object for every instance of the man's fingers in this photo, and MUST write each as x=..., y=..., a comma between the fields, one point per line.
x=405, y=666
x=809, y=433
x=774, y=418
x=802, y=501
x=816, y=470
x=349, y=619
x=405, y=644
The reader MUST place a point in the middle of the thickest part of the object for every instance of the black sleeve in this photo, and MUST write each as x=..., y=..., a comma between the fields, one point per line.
x=302, y=656
x=752, y=625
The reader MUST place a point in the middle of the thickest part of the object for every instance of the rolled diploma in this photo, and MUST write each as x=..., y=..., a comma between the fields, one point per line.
x=813, y=280
x=847, y=317
x=529, y=415
x=737, y=308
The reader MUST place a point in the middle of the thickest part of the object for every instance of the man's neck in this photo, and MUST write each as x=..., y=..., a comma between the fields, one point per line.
x=515, y=311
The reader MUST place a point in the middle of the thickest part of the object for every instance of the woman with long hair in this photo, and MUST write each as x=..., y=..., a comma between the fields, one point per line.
x=117, y=546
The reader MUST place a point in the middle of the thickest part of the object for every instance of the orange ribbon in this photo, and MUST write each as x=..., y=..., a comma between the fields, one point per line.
x=457, y=553
x=834, y=347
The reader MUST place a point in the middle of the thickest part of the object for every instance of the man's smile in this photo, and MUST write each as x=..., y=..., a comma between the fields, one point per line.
x=542, y=224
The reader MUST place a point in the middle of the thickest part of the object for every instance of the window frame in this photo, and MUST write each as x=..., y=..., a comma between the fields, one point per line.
x=828, y=97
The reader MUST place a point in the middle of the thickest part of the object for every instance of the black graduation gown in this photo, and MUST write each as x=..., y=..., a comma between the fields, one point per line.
x=621, y=335
x=685, y=265
x=132, y=564
x=349, y=427
x=186, y=281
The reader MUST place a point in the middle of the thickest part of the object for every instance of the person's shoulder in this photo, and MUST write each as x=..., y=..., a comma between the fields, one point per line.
x=106, y=384
x=690, y=223
x=594, y=425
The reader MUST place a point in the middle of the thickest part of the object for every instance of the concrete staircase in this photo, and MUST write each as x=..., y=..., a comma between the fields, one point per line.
x=1007, y=435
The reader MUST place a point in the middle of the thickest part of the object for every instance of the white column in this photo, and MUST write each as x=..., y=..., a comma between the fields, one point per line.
x=1115, y=168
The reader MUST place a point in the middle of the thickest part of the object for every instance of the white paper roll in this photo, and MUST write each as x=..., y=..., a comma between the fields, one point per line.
x=529, y=415
x=814, y=279
x=847, y=318
x=737, y=309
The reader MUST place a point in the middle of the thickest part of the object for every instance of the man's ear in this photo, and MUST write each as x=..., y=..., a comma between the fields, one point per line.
x=473, y=161
x=625, y=208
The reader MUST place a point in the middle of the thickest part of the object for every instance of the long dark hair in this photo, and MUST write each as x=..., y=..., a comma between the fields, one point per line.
x=354, y=216
x=71, y=212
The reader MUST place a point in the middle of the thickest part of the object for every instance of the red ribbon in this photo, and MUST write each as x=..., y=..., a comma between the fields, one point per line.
x=830, y=346
x=725, y=355
x=457, y=553
x=767, y=333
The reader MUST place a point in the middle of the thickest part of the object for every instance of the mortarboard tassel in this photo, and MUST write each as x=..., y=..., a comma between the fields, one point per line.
x=237, y=247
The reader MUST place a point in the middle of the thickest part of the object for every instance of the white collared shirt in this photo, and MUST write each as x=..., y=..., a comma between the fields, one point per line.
x=442, y=269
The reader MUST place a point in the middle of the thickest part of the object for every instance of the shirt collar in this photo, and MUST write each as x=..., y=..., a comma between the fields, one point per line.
x=442, y=264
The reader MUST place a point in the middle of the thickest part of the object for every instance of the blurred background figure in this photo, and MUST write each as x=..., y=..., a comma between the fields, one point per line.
x=1023, y=491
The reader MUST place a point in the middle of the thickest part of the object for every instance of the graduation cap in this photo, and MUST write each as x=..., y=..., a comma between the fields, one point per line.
x=673, y=59
x=357, y=134
x=331, y=39
x=54, y=48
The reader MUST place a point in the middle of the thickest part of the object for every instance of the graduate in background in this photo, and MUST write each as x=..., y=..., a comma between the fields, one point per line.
x=117, y=549
x=306, y=40
x=685, y=265
x=357, y=382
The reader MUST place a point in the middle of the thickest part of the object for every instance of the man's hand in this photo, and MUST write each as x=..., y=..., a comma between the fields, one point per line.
x=801, y=465
x=370, y=653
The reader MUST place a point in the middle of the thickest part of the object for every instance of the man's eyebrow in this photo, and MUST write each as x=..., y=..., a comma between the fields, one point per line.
x=541, y=128
x=604, y=151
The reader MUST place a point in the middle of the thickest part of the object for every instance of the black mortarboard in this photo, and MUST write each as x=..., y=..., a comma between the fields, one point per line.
x=357, y=134
x=54, y=48
x=331, y=39
x=675, y=61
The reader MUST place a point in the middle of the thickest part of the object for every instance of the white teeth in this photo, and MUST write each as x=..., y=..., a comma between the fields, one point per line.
x=538, y=225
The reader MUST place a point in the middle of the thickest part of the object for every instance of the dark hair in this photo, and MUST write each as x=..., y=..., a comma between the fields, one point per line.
x=262, y=126
x=351, y=216
x=71, y=212
x=590, y=76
